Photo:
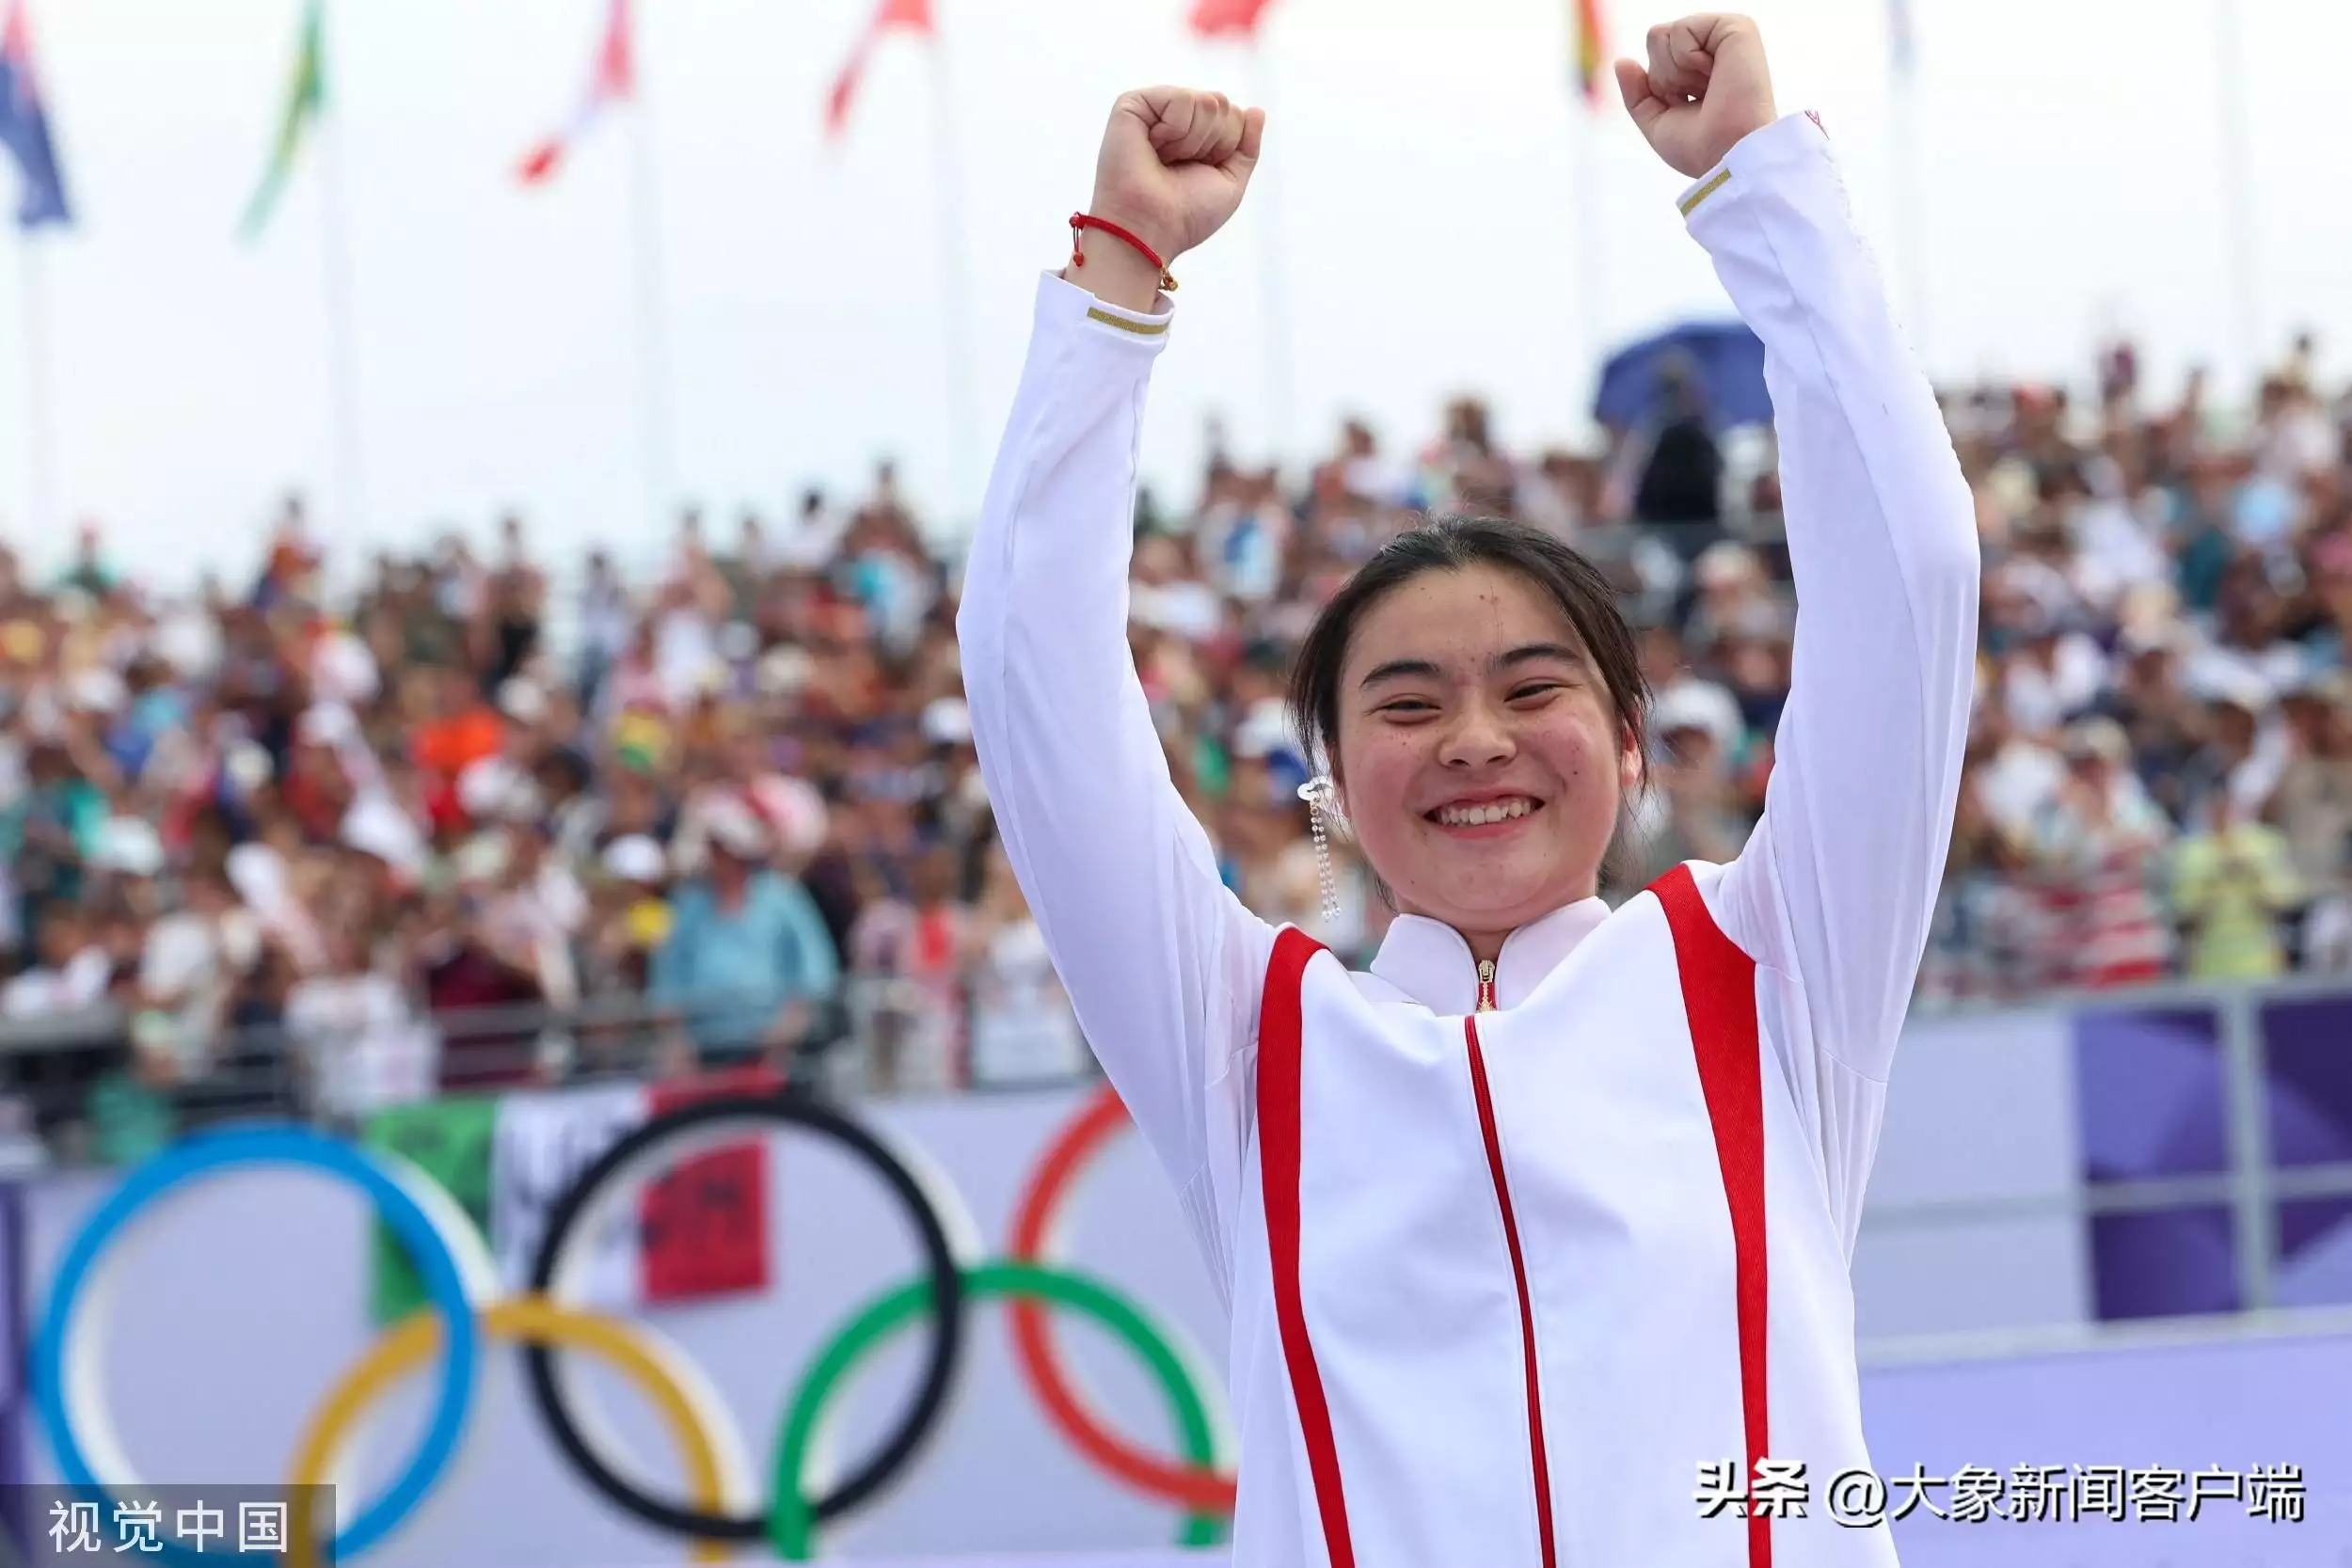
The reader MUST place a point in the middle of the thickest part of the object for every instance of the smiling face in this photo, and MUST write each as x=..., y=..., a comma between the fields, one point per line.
x=1480, y=758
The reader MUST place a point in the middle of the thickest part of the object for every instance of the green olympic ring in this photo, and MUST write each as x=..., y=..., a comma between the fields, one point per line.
x=790, y=1526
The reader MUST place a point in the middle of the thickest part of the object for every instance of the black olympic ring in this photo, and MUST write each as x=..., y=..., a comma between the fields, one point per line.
x=905, y=1440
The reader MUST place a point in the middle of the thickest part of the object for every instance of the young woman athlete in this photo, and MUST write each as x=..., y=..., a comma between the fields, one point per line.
x=1548, y=1213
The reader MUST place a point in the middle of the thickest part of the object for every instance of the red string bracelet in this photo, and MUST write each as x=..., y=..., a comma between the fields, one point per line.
x=1081, y=222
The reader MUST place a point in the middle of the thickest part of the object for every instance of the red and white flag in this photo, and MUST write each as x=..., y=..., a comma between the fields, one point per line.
x=614, y=82
x=907, y=16
x=1229, y=18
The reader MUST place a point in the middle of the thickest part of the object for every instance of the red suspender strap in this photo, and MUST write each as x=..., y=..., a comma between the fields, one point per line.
x=1278, y=1033
x=1719, y=998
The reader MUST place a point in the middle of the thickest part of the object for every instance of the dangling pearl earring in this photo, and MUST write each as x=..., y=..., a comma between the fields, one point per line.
x=1322, y=799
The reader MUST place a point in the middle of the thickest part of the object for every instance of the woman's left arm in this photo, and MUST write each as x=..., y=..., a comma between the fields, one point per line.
x=1838, y=885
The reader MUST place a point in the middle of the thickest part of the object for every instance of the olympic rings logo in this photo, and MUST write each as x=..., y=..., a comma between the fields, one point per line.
x=720, y=1510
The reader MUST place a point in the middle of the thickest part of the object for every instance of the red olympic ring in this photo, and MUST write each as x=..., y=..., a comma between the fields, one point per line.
x=1033, y=1240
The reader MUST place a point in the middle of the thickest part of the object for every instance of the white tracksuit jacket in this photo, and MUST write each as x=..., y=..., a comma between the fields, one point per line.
x=1501, y=1281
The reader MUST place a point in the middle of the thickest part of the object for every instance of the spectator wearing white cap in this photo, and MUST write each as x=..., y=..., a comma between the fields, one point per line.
x=629, y=917
x=342, y=669
x=2096, y=851
x=2116, y=550
x=2246, y=749
x=1689, y=811
x=503, y=786
x=2053, y=674
x=748, y=964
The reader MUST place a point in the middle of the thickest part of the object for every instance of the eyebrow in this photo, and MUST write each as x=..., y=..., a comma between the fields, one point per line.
x=1423, y=668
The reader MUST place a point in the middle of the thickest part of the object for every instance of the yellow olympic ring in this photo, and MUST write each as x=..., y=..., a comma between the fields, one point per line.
x=523, y=1320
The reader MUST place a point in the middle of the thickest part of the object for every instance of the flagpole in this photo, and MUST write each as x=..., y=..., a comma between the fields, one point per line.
x=342, y=376
x=653, y=378
x=2237, y=188
x=1591, y=268
x=1911, y=211
x=1273, y=292
x=40, y=426
x=954, y=287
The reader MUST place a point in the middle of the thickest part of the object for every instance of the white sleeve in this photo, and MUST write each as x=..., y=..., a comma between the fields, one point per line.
x=1162, y=965
x=1837, y=887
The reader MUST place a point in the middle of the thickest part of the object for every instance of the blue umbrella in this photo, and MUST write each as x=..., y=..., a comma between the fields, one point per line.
x=1721, y=362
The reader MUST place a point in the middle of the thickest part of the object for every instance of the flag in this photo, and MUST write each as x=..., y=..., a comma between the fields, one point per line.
x=1590, y=60
x=25, y=129
x=911, y=16
x=700, y=1229
x=449, y=1140
x=1229, y=18
x=614, y=82
x=306, y=100
x=1898, y=35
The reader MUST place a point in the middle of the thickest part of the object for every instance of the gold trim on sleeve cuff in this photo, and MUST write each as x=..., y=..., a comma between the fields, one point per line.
x=1141, y=329
x=1691, y=202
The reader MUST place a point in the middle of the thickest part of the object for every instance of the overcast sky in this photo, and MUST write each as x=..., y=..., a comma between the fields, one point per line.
x=1430, y=192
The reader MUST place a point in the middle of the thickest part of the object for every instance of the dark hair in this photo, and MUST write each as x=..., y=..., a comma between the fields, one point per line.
x=1454, y=545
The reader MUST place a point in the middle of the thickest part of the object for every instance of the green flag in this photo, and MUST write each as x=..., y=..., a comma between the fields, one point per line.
x=450, y=1141
x=306, y=100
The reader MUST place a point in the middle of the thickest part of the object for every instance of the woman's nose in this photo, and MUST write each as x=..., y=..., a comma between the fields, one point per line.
x=1477, y=737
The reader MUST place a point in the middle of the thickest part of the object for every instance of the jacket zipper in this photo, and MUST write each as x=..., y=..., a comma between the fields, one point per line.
x=1541, y=1462
x=1486, y=985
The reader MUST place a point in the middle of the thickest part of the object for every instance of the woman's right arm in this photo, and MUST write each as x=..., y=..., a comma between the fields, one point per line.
x=1161, y=964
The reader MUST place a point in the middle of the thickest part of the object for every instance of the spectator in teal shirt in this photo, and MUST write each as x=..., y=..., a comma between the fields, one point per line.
x=49, y=832
x=90, y=573
x=748, y=963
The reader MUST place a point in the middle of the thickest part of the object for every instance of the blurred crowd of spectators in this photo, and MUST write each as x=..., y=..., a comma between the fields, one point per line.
x=462, y=826
x=2160, y=772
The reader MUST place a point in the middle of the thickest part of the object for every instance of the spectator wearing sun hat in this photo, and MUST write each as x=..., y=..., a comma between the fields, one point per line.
x=1689, y=810
x=748, y=964
x=2096, y=848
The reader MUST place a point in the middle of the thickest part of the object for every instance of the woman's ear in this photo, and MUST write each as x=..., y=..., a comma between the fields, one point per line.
x=1629, y=760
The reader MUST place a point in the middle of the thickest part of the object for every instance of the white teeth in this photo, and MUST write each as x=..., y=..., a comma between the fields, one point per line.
x=1472, y=817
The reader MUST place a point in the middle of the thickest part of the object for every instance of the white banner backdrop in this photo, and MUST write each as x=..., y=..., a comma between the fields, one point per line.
x=242, y=1300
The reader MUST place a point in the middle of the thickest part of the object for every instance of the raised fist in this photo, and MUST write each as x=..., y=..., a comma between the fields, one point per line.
x=1174, y=165
x=1707, y=86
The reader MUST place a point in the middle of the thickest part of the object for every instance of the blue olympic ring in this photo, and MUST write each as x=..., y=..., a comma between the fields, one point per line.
x=208, y=1153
